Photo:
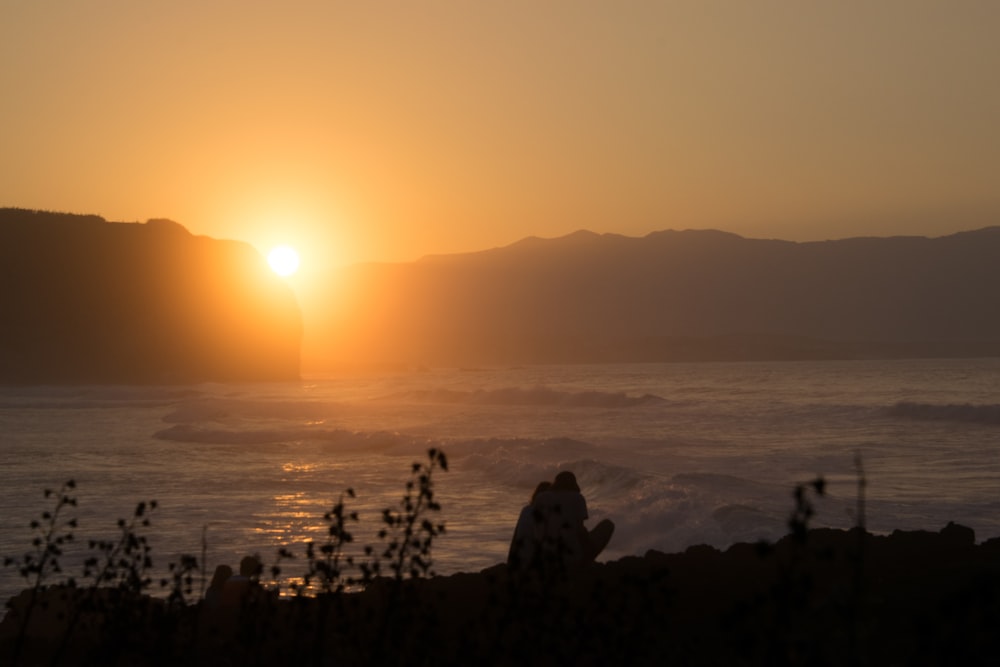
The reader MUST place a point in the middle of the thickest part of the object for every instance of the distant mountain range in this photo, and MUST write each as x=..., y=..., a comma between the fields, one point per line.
x=84, y=300
x=673, y=296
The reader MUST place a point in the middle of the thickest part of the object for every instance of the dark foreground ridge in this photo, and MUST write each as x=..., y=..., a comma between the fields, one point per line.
x=95, y=302
x=823, y=597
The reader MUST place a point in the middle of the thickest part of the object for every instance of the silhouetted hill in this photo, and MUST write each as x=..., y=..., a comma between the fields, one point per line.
x=85, y=300
x=675, y=295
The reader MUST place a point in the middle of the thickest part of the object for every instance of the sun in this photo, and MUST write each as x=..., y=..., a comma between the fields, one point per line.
x=283, y=260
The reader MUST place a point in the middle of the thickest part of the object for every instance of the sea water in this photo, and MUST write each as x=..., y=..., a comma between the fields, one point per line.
x=674, y=454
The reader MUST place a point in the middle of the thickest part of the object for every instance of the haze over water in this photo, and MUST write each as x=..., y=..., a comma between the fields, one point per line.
x=675, y=454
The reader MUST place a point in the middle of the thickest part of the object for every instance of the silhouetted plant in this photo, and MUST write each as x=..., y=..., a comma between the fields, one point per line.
x=181, y=580
x=204, y=560
x=409, y=532
x=331, y=570
x=855, y=610
x=283, y=554
x=53, y=532
x=795, y=584
x=798, y=522
x=860, y=520
x=799, y=608
x=327, y=561
x=123, y=562
x=118, y=572
x=326, y=574
x=121, y=571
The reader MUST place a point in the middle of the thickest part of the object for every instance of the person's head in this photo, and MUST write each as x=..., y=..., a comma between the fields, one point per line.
x=251, y=566
x=565, y=481
x=541, y=488
x=222, y=572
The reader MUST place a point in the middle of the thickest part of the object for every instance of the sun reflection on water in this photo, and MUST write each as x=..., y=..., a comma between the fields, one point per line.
x=293, y=520
x=299, y=467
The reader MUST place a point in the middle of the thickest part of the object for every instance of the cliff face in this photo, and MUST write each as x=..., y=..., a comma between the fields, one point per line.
x=688, y=295
x=88, y=301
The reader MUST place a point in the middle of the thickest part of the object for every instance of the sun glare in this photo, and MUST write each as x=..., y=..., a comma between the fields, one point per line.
x=283, y=260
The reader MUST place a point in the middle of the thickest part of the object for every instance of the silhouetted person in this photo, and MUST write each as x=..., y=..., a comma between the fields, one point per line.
x=529, y=532
x=213, y=596
x=564, y=509
x=221, y=607
x=240, y=588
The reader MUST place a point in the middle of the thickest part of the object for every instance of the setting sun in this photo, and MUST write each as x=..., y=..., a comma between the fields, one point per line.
x=283, y=260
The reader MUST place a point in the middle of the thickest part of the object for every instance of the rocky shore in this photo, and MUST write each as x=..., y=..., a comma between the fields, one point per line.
x=825, y=597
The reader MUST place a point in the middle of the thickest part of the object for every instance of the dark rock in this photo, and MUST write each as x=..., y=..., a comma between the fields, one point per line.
x=838, y=598
x=957, y=535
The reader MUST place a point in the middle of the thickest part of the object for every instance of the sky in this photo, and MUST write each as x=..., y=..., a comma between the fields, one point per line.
x=385, y=131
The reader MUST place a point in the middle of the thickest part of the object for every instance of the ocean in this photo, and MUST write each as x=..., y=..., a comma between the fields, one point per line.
x=675, y=454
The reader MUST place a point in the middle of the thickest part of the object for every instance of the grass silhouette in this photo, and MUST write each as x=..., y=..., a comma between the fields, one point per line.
x=110, y=600
x=817, y=596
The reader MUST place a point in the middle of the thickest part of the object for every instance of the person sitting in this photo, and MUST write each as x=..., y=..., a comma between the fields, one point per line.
x=525, y=545
x=240, y=589
x=213, y=596
x=563, y=510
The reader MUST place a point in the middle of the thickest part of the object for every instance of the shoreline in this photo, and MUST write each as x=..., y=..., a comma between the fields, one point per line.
x=827, y=596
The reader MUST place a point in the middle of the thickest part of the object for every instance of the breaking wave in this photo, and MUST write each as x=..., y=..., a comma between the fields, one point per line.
x=340, y=438
x=488, y=451
x=220, y=409
x=535, y=396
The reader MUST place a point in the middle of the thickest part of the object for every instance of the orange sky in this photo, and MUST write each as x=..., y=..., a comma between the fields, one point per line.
x=388, y=130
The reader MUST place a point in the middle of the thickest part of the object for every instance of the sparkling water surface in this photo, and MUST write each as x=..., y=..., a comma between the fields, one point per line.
x=675, y=454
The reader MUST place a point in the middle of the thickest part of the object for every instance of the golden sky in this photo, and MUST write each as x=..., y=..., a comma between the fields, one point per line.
x=384, y=131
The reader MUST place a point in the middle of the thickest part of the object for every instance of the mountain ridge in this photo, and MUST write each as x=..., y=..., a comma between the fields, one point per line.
x=91, y=301
x=676, y=295
x=85, y=300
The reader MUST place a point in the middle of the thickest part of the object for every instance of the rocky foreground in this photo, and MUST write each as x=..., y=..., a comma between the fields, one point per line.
x=831, y=597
